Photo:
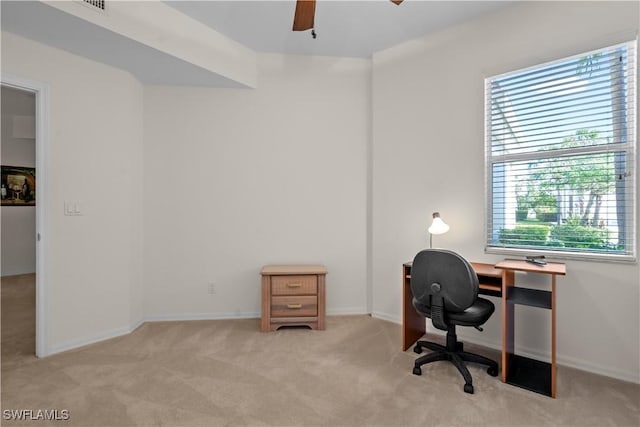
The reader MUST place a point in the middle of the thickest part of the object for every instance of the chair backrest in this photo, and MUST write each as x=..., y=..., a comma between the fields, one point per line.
x=442, y=274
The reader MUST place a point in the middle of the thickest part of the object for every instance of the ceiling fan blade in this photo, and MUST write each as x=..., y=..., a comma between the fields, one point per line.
x=305, y=11
x=396, y=1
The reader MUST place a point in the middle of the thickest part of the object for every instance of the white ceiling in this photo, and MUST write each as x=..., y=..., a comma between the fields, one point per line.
x=353, y=28
x=37, y=21
x=350, y=28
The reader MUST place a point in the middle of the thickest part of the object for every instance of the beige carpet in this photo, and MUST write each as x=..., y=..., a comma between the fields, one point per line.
x=227, y=373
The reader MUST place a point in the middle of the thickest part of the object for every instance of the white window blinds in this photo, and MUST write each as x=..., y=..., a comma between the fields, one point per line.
x=560, y=156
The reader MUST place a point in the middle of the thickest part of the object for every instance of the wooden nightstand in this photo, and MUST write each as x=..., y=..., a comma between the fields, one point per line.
x=293, y=295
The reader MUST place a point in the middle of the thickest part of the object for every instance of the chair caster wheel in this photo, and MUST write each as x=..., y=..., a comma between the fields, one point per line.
x=468, y=388
x=492, y=371
x=417, y=349
x=417, y=371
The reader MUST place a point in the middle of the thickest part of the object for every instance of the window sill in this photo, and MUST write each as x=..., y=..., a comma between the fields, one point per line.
x=563, y=255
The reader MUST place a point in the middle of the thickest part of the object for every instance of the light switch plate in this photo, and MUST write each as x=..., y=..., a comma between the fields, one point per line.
x=72, y=209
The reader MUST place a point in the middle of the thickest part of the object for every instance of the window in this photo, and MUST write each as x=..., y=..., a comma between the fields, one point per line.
x=560, y=157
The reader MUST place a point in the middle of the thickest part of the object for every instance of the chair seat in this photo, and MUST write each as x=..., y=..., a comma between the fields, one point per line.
x=475, y=315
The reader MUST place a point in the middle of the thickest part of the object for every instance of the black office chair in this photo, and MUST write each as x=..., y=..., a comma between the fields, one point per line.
x=445, y=289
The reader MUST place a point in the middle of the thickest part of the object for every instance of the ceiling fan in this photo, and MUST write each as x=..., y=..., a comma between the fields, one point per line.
x=305, y=12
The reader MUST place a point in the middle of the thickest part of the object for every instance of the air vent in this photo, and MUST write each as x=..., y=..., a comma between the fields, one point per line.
x=99, y=4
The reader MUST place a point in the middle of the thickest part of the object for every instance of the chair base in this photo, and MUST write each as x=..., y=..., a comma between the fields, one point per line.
x=454, y=353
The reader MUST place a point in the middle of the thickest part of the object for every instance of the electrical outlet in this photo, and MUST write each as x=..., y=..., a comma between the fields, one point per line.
x=211, y=288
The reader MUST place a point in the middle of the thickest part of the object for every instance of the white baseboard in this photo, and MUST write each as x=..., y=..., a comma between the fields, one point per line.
x=607, y=371
x=570, y=362
x=81, y=342
x=251, y=315
x=137, y=324
x=200, y=316
x=114, y=333
x=347, y=311
x=386, y=316
x=118, y=332
x=486, y=343
x=14, y=274
x=561, y=360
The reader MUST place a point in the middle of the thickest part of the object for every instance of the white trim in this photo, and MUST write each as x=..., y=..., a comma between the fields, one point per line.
x=596, y=368
x=180, y=317
x=41, y=91
x=136, y=325
x=490, y=344
x=569, y=362
x=200, y=316
x=248, y=315
x=388, y=317
x=347, y=311
x=630, y=37
x=81, y=342
x=562, y=255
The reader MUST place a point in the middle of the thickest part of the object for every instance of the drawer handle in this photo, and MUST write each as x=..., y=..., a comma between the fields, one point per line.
x=294, y=305
x=294, y=285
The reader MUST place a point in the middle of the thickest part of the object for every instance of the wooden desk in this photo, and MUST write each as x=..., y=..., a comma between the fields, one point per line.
x=499, y=280
x=534, y=375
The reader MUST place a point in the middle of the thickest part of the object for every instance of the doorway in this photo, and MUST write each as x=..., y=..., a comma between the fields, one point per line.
x=24, y=135
x=18, y=222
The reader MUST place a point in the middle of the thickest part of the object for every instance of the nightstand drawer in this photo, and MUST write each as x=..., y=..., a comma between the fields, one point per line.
x=294, y=306
x=294, y=285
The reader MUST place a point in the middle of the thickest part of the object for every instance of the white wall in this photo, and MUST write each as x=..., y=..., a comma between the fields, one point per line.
x=236, y=179
x=18, y=222
x=94, y=159
x=428, y=155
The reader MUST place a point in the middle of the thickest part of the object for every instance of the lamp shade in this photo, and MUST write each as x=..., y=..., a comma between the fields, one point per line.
x=438, y=226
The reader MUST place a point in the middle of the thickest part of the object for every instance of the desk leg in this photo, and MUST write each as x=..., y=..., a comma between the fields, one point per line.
x=508, y=280
x=413, y=324
x=553, y=336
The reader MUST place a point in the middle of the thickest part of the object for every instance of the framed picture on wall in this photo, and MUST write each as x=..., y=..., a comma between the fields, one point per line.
x=18, y=186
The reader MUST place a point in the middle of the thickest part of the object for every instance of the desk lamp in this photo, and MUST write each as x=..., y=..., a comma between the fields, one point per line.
x=438, y=226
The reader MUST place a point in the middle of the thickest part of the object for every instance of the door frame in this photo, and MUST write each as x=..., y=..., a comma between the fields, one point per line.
x=41, y=91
